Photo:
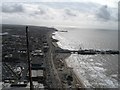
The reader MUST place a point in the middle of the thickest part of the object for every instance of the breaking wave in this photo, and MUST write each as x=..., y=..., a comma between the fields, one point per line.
x=92, y=70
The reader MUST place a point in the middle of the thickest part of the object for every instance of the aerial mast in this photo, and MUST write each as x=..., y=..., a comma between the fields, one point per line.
x=28, y=58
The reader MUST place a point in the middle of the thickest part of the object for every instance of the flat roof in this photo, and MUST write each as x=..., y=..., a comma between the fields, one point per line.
x=37, y=73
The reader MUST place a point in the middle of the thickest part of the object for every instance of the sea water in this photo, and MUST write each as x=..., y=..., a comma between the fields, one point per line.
x=96, y=71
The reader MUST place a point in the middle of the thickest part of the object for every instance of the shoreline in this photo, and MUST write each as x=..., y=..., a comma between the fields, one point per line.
x=80, y=78
x=57, y=68
x=70, y=70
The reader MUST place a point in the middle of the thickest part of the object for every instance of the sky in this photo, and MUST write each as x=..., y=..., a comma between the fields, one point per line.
x=61, y=13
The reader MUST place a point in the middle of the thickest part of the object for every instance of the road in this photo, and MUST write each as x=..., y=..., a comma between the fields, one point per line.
x=54, y=77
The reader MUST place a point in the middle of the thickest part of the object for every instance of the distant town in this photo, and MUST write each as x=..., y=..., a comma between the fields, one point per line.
x=48, y=68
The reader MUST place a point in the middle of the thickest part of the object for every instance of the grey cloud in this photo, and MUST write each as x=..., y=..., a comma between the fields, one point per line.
x=12, y=8
x=62, y=11
x=40, y=11
x=103, y=13
x=119, y=11
x=69, y=12
x=73, y=5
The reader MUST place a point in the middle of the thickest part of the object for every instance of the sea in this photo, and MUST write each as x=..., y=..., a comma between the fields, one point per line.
x=95, y=71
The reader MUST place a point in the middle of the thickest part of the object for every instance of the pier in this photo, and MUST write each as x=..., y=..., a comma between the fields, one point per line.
x=44, y=59
x=88, y=51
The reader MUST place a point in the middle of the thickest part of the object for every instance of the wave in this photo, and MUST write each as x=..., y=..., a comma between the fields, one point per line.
x=63, y=42
x=91, y=73
x=89, y=69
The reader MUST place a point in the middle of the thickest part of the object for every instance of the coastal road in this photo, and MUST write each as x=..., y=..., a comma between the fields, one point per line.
x=59, y=74
x=56, y=83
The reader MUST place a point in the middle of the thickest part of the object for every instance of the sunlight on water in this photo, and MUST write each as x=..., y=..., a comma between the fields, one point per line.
x=94, y=71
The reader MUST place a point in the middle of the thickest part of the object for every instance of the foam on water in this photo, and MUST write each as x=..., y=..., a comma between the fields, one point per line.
x=91, y=74
x=89, y=69
x=63, y=42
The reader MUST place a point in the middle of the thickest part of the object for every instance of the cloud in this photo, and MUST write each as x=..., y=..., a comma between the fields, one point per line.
x=40, y=11
x=58, y=13
x=12, y=8
x=103, y=13
x=70, y=13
